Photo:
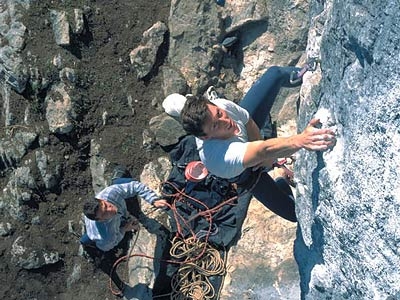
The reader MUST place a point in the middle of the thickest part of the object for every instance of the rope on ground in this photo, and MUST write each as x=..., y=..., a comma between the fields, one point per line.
x=199, y=261
x=117, y=262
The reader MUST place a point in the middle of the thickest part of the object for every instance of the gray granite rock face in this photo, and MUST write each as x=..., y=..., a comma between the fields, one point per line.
x=348, y=199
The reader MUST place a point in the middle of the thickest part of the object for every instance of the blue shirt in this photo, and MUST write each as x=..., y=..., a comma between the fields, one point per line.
x=107, y=234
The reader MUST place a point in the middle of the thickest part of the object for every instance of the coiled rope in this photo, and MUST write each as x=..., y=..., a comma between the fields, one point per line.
x=199, y=261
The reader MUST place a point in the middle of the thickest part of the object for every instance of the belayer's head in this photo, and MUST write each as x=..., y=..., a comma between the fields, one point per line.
x=205, y=120
x=99, y=210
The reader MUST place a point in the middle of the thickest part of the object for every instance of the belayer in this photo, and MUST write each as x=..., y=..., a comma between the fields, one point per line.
x=111, y=216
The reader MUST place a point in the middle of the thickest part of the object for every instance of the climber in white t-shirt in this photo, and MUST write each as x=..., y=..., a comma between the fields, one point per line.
x=231, y=146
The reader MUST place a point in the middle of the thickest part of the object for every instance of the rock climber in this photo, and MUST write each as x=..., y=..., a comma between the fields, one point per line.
x=230, y=144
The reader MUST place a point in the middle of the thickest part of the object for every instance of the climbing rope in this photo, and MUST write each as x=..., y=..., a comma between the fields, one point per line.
x=117, y=262
x=199, y=261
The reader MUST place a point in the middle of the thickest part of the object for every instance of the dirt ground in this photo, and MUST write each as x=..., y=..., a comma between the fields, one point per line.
x=106, y=79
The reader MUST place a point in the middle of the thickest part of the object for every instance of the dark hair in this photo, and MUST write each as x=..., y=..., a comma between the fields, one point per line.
x=90, y=208
x=194, y=115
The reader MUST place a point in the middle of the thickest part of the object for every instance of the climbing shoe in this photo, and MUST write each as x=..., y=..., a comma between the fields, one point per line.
x=311, y=65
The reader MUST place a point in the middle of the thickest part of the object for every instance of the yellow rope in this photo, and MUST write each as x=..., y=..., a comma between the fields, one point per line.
x=199, y=261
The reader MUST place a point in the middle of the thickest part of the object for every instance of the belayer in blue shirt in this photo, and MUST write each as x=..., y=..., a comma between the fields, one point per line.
x=106, y=216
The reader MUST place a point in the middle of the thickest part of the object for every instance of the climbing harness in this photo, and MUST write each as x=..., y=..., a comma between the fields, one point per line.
x=311, y=65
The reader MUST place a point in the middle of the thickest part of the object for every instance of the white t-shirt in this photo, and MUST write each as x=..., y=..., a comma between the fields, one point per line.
x=224, y=158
